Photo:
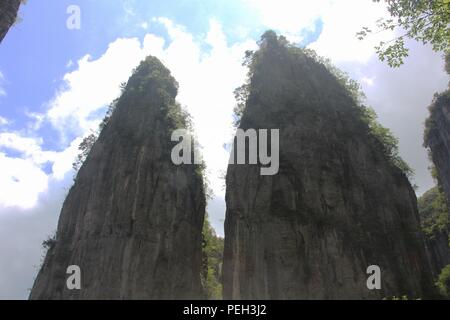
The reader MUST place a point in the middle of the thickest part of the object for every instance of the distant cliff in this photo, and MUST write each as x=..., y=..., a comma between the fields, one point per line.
x=133, y=220
x=8, y=15
x=339, y=203
x=437, y=137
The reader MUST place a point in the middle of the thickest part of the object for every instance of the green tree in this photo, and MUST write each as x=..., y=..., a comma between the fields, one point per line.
x=433, y=212
x=443, y=282
x=84, y=147
x=88, y=142
x=212, y=262
x=423, y=20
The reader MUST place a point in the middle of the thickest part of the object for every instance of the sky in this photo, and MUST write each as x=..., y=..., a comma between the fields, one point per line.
x=56, y=83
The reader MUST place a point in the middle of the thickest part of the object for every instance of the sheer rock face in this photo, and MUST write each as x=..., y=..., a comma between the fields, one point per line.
x=336, y=206
x=438, y=140
x=132, y=221
x=8, y=15
x=438, y=251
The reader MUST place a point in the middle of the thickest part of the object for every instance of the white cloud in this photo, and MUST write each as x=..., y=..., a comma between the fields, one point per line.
x=21, y=182
x=36, y=120
x=341, y=21
x=92, y=86
x=69, y=64
x=3, y=121
x=29, y=147
x=368, y=81
x=62, y=161
x=22, y=178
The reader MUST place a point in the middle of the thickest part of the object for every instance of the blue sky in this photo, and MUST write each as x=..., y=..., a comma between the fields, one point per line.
x=58, y=82
x=34, y=56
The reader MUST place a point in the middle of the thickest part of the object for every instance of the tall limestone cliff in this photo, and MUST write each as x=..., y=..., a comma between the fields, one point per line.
x=8, y=15
x=339, y=202
x=133, y=220
x=437, y=137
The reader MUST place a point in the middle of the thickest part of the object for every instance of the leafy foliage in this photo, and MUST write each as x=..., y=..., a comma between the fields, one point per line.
x=443, y=282
x=179, y=117
x=88, y=142
x=423, y=20
x=387, y=140
x=49, y=242
x=84, y=147
x=241, y=96
x=108, y=115
x=433, y=212
x=212, y=262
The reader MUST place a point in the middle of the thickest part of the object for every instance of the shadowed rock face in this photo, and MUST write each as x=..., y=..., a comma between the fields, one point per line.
x=437, y=139
x=336, y=206
x=132, y=221
x=438, y=251
x=8, y=15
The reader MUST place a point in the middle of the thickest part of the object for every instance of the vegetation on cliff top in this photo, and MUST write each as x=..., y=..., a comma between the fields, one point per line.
x=382, y=136
x=151, y=77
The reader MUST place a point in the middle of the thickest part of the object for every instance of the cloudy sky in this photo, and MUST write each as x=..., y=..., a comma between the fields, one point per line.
x=55, y=84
